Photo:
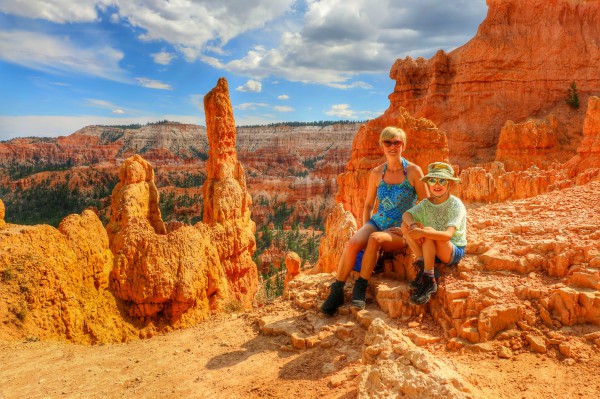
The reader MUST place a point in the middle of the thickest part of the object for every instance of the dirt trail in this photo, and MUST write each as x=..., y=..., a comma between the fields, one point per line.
x=227, y=357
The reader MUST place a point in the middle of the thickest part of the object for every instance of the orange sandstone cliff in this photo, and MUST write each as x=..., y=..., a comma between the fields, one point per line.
x=519, y=65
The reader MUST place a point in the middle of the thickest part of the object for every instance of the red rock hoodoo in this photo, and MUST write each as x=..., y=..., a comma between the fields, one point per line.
x=226, y=199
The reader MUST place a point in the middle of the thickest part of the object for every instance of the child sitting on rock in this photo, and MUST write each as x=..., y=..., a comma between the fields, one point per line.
x=435, y=230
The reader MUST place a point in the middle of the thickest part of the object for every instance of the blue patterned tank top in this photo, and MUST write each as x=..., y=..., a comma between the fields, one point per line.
x=393, y=200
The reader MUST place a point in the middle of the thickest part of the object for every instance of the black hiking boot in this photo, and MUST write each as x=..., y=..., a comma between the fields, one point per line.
x=335, y=298
x=359, y=293
x=427, y=288
x=419, y=266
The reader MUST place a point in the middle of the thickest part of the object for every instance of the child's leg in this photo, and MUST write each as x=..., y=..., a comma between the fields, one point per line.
x=444, y=251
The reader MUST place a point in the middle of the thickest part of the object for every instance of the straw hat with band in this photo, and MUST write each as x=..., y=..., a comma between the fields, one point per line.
x=440, y=170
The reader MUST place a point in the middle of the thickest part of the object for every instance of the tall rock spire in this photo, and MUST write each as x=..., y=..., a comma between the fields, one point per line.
x=226, y=199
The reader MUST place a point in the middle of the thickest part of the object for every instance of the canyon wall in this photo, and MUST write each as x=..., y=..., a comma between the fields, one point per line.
x=520, y=64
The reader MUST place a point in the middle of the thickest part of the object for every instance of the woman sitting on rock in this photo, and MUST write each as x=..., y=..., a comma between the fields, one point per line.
x=396, y=185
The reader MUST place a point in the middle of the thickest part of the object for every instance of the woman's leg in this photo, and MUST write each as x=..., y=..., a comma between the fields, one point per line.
x=347, y=260
x=382, y=240
x=358, y=241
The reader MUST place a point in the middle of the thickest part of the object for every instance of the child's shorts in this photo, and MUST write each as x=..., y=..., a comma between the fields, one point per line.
x=457, y=255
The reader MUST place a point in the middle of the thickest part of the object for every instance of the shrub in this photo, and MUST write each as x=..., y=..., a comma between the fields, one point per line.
x=572, y=96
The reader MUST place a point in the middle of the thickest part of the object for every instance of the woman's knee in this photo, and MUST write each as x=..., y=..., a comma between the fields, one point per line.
x=354, y=245
x=376, y=239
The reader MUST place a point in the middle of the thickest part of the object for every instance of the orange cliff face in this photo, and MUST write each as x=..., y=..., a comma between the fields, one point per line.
x=226, y=199
x=519, y=65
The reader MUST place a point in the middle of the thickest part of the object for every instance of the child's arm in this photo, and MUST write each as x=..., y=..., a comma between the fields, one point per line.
x=432, y=234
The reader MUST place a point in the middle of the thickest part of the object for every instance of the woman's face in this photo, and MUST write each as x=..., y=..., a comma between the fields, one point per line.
x=392, y=146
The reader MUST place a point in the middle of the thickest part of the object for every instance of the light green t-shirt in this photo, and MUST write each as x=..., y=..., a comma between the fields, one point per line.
x=451, y=212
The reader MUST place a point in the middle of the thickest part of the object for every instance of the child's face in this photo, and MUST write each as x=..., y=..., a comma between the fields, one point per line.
x=438, y=187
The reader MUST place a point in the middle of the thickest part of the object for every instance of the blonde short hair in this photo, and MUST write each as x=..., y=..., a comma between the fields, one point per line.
x=392, y=132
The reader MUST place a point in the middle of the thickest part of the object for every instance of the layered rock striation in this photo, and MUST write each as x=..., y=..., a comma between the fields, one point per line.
x=520, y=64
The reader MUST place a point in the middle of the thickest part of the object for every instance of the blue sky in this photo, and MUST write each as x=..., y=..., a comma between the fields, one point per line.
x=65, y=64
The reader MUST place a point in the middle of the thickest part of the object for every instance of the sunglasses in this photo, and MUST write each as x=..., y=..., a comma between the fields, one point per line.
x=432, y=181
x=389, y=143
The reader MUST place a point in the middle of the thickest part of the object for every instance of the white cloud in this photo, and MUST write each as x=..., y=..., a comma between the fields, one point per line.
x=250, y=86
x=341, y=111
x=283, y=108
x=114, y=18
x=153, y=84
x=53, y=126
x=283, y=97
x=250, y=106
x=59, y=55
x=196, y=26
x=359, y=84
x=340, y=39
x=59, y=11
x=163, y=58
x=118, y=111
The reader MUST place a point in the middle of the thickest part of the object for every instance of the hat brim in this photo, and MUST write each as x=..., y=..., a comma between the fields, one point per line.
x=439, y=176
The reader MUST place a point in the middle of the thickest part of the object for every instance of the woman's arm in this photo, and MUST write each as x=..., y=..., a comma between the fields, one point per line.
x=374, y=177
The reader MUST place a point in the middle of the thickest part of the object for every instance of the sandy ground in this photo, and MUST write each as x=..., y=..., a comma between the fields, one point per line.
x=227, y=357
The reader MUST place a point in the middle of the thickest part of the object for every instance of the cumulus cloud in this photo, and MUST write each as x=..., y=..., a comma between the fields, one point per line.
x=341, y=111
x=60, y=55
x=59, y=11
x=195, y=26
x=283, y=97
x=153, y=84
x=118, y=111
x=340, y=39
x=250, y=86
x=163, y=58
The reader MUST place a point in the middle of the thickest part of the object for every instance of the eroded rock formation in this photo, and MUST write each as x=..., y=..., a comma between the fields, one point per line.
x=505, y=73
x=177, y=276
x=588, y=153
x=340, y=227
x=396, y=368
x=55, y=283
x=533, y=142
x=226, y=199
